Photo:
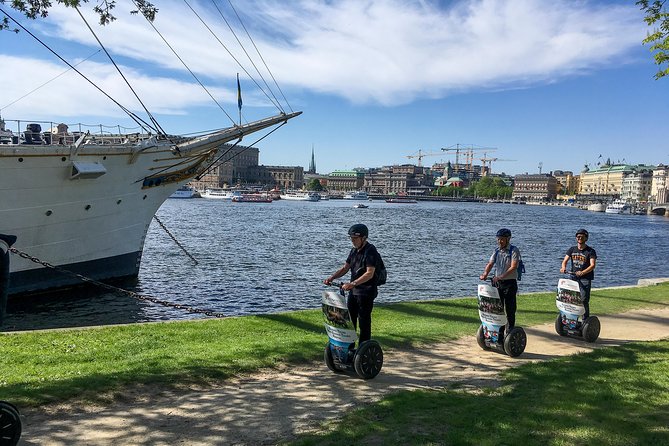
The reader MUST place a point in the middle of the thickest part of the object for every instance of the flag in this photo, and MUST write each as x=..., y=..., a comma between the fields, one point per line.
x=239, y=94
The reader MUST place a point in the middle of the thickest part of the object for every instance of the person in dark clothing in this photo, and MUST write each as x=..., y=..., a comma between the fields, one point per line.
x=583, y=262
x=361, y=261
x=505, y=261
x=6, y=241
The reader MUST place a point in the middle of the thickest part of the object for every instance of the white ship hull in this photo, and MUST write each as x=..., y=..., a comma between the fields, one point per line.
x=87, y=208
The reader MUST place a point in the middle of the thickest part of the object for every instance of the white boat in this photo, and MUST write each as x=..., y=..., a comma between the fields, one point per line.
x=301, y=196
x=360, y=206
x=84, y=202
x=185, y=192
x=221, y=194
x=618, y=207
x=597, y=207
x=357, y=195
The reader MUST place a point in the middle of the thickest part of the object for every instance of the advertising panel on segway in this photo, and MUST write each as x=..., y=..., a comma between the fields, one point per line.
x=340, y=353
x=491, y=333
x=570, y=322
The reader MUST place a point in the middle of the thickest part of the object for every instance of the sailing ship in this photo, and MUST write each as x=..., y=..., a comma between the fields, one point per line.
x=83, y=200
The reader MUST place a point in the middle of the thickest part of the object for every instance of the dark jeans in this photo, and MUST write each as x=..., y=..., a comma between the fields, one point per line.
x=507, y=294
x=585, y=285
x=360, y=309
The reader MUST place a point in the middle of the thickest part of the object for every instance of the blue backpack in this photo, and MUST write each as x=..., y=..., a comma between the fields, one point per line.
x=521, y=266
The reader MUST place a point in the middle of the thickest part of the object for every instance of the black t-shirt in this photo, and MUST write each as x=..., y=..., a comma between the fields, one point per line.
x=580, y=259
x=359, y=261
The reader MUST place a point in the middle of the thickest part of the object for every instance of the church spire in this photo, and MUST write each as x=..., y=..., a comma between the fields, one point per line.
x=312, y=164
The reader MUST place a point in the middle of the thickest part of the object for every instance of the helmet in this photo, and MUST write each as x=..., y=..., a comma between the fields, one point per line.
x=504, y=233
x=359, y=230
x=584, y=232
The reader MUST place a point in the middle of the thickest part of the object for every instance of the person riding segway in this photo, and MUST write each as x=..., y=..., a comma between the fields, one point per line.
x=573, y=295
x=497, y=301
x=366, y=267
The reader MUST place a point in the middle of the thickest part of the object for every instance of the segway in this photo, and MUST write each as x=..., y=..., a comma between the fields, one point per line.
x=570, y=320
x=340, y=353
x=10, y=424
x=491, y=335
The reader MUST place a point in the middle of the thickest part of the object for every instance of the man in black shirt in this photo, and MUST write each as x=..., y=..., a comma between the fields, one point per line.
x=361, y=261
x=583, y=261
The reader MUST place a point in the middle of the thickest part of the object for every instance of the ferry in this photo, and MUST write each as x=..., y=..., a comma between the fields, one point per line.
x=401, y=200
x=301, y=196
x=618, y=207
x=357, y=195
x=185, y=192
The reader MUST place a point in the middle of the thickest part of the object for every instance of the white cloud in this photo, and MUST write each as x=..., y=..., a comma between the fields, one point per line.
x=370, y=52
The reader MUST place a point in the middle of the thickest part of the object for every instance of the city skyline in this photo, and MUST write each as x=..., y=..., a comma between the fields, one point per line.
x=553, y=85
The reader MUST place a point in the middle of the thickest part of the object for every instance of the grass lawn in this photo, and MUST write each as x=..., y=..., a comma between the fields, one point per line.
x=39, y=367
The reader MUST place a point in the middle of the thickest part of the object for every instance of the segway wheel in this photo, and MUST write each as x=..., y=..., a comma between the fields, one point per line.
x=559, y=328
x=480, y=338
x=591, y=328
x=368, y=359
x=515, y=342
x=329, y=359
x=10, y=424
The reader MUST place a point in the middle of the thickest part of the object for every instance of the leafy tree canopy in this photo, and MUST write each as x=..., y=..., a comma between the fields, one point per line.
x=315, y=185
x=657, y=15
x=33, y=9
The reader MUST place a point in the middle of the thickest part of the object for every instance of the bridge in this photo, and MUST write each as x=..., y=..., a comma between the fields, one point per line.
x=660, y=209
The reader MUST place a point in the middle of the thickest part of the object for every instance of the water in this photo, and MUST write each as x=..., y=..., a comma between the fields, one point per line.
x=265, y=258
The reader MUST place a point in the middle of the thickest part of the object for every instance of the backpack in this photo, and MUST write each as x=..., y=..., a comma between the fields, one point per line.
x=380, y=272
x=521, y=266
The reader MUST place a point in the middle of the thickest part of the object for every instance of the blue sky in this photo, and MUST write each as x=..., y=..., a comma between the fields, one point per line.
x=558, y=83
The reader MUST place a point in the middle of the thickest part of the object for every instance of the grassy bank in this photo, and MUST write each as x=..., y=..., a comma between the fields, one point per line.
x=614, y=396
x=39, y=367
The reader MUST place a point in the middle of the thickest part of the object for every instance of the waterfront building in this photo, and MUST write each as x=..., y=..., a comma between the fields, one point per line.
x=636, y=186
x=346, y=180
x=567, y=182
x=283, y=177
x=659, y=189
x=399, y=179
x=535, y=187
x=607, y=180
x=233, y=167
x=312, y=164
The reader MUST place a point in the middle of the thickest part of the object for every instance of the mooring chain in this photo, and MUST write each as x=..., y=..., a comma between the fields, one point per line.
x=174, y=238
x=117, y=289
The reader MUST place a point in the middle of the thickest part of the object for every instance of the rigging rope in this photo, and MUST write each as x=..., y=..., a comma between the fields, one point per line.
x=155, y=123
x=133, y=116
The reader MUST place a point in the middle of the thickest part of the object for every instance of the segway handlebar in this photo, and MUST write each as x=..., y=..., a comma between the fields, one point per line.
x=337, y=284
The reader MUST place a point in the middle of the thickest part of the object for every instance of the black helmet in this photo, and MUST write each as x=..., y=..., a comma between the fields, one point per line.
x=584, y=232
x=504, y=233
x=359, y=230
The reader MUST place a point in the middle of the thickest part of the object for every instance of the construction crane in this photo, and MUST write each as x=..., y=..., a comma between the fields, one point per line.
x=469, y=150
x=485, y=160
x=420, y=155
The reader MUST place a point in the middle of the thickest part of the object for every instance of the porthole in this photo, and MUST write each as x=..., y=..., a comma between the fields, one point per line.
x=49, y=212
x=20, y=160
x=118, y=201
x=88, y=206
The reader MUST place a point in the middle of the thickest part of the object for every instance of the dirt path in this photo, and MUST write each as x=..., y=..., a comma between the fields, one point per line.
x=264, y=408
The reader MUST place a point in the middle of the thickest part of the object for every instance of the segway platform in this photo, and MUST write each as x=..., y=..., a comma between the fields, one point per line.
x=10, y=424
x=570, y=320
x=340, y=353
x=491, y=335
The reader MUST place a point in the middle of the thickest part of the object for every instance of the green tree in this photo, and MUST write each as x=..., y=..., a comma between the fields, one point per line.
x=33, y=9
x=315, y=185
x=656, y=12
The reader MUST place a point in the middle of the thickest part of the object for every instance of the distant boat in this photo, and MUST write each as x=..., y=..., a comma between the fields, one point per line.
x=252, y=198
x=401, y=200
x=360, y=206
x=185, y=192
x=301, y=196
x=357, y=195
x=618, y=207
x=221, y=194
x=597, y=207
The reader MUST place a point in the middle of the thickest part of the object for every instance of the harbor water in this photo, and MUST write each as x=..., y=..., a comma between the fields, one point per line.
x=258, y=258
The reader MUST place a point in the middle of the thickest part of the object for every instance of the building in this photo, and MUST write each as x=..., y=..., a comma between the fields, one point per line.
x=659, y=189
x=283, y=177
x=235, y=165
x=312, y=164
x=607, y=181
x=567, y=182
x=637, y=186
x=399, y=179
x=346, y=180
x=535, y=187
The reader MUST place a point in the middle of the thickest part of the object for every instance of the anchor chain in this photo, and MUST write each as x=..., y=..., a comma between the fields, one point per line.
x=175, y=240
x=116, y=289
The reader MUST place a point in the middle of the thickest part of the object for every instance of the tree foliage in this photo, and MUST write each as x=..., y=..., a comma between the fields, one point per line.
x=34, y=9
x=657, y=15
x=315, y=185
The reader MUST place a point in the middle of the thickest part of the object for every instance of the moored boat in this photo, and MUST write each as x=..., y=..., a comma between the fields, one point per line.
x=185, y=192
x=597, y=207
x=401, y=200
x=300, y=196
x=252, y=198
x=618, y=207
x=357, y=195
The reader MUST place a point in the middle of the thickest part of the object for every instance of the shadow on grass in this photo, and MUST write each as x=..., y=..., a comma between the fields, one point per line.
x=610, y=396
